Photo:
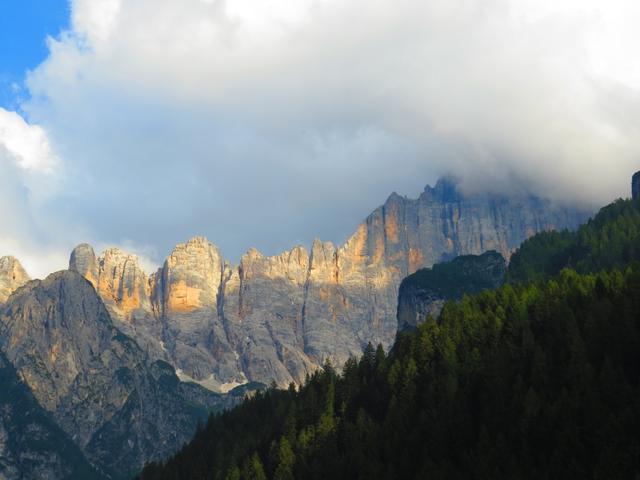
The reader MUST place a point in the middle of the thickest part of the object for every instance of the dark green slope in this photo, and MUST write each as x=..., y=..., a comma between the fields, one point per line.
x=424, y=292
x=31, y=444
x=611, y=239
x=536, y=380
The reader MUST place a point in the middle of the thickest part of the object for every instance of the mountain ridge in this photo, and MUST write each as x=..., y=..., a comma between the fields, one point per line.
x=278, y=318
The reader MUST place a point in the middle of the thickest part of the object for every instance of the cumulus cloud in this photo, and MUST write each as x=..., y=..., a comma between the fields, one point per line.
x=269, y=123
x=26, y=145
x=27, y=179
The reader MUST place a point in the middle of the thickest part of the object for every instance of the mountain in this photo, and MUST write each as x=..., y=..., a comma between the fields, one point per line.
x=609, y=240
x=96, y=353
x=424, y=293
x=279, y=318
x=533, y=380
x=12, y=276
x=119, y=406
x=31, y=444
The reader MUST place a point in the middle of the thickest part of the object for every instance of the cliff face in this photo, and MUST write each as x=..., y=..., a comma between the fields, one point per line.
x=12, y=277
x=279, y=318
x=635, y=186
x=423, y=293
x=125, y=290
x=118, y=405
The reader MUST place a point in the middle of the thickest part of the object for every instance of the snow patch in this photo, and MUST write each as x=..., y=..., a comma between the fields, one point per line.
x=211, y=383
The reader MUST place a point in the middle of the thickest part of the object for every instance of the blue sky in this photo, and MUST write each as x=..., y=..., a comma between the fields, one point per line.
x=24, y=27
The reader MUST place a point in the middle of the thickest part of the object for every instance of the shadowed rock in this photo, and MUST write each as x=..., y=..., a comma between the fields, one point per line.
x=121, y=408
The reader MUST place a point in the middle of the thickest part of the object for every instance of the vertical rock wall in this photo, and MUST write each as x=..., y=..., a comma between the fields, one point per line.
x=279, y=318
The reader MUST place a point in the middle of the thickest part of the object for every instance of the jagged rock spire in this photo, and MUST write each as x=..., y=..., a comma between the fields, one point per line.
x=12, y=276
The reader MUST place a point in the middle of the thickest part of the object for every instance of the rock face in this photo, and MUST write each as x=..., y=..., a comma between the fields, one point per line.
x=31, y=444
x=635, y=186
x=279, y=318
x=12, y=276
x=423, y=293
x=120, y=407
x=125, y=290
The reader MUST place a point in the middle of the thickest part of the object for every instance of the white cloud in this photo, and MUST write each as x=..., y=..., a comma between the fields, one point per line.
x=273, y=122
x=27, y=178
x=38, y=260
x=26, y=145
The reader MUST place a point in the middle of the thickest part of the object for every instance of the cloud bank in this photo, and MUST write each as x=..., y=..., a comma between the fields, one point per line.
x=269, y=123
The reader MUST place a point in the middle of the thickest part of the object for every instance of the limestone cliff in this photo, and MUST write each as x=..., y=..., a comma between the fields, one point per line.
x=279, y=318
x=12, y=276
x=125, y=290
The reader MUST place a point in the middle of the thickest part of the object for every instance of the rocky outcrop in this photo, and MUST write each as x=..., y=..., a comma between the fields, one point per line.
x=635, y=186
x=12, y=276
x=279, y=318
x=119, y=406
x=423, y=293
x=126, y=292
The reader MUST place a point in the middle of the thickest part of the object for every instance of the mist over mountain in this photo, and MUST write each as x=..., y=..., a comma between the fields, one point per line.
x=283, y=122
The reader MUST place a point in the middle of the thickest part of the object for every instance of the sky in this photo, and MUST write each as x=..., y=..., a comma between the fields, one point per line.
x=24, y=27
x=141, y=123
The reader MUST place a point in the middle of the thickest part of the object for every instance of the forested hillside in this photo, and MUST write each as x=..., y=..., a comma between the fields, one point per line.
x=610, y=239
x=537, y=380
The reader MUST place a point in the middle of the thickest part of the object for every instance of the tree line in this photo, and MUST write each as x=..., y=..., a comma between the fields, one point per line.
x=537, y=379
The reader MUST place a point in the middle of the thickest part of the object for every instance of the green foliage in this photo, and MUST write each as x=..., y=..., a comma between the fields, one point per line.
x=535, y=381
x=462, y=275
x=610, y=240
x=253, y=469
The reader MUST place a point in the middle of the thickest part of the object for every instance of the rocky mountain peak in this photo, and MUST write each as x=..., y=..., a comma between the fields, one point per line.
x=64, y=321
x=394, y=198
x=83, y=261
x=12, y=276
x=445, y=190
x=191, y=276
x=99, y=386
x=116, y=276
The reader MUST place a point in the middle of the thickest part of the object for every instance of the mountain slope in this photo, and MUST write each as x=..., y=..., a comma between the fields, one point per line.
x=423, y=293
x=611, y=239
x=279, y=318
x=540, y=380
x=119, y=407
x=31, y=444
